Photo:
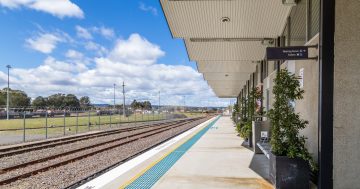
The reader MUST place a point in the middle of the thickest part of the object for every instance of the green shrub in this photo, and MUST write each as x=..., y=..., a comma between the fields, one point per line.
x=285, y=123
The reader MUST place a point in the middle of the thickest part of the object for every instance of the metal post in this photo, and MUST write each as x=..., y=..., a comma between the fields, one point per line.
x=77, y=121
x=8, y=93
x=46, y=124
x=119, y=117
x=110, y=119
x=123, y=85
x=89, y=120
x=114, y=94
x=326, y=94
x=24, y=125
x=159, y=103
x=64, y=122
x=99, y=120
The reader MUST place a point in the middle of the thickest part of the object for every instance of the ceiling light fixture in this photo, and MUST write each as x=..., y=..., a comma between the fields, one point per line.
x=225, y=19
x=290, y=2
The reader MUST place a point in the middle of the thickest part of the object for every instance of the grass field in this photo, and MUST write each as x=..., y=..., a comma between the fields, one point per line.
x=82, y=123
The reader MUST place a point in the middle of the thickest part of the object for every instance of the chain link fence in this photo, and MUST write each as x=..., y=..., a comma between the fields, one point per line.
x=30, y=124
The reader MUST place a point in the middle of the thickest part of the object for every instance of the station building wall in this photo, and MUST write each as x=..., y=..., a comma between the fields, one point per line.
x=346, y=153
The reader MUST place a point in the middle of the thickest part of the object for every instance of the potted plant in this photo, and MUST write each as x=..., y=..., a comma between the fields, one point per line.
x=289, y=159
x=247, y=112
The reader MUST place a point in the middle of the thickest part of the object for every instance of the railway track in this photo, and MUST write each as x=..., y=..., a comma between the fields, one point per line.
x=27, y=169
x=60, y=141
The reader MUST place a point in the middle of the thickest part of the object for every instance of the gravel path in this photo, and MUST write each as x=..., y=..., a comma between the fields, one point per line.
x=63, y=176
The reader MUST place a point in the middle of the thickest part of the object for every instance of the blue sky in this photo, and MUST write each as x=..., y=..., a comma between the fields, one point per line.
x=83, y=47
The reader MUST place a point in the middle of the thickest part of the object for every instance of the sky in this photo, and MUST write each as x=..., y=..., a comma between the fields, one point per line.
x=84, y=47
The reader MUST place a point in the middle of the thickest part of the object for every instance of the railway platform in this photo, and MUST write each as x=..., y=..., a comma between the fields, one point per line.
x=208, y=156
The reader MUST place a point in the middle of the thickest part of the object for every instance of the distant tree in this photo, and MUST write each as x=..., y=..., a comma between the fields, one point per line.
x=56, y=100
x=40, y=102
x=17, y=98
x=134, y=105
x=146, y=105
x=85, y=101
x=118, y=106
x=71, y=100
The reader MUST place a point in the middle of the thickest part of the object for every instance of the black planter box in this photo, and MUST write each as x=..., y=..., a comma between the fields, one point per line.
x=289, y=173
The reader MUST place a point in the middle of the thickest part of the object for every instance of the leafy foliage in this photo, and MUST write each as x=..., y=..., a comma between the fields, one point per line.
x=17, y=98
x=235, y=112
x=248, y=111
x=39, y=102
x=285, y=123
x=146, y=105
x=85, y=101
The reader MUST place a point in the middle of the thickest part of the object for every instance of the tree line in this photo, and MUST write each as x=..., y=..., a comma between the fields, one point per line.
x=145, y=105
x=19, y=98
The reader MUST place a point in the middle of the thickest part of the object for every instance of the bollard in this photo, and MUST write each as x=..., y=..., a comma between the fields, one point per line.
x=24, y=127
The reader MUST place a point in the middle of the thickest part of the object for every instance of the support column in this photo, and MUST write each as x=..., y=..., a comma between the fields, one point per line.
x=326, y=91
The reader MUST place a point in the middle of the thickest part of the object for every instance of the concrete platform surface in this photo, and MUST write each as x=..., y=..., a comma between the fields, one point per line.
x=217, y=160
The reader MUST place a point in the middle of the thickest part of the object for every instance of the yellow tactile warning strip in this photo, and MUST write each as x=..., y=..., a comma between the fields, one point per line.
x=152, y=173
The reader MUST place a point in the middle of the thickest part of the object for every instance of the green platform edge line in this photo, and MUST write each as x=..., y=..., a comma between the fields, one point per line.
x=151, y=176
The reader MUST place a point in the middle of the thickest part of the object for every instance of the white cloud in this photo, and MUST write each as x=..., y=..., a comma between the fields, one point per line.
x=108, y=33
x=99, y=49
x=73, y=54
x=58, y=8
x=44, y=42
x=145, y=8
x=83, y=33
x=132, y=60
x=136, y=50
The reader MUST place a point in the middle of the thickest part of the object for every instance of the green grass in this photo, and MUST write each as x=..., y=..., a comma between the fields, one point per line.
x=55, y=125
x=191, y=114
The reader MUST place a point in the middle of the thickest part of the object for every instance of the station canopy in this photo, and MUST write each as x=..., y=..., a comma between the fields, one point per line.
x=226, y=38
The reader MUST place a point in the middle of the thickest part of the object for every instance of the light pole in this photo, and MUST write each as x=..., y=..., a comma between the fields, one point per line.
x=8, y=93
x=114, y=95
x=184, y=103
x=123, y=85
x=159, y=102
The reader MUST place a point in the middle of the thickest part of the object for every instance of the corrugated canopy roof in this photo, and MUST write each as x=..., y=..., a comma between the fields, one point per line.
x=225, y=36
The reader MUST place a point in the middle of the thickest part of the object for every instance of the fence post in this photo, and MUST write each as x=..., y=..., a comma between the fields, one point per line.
x=24, y=127
x=77, y=121
x=64, y=122
x=110, y=118
x=99, y=120
x=89, y=120
x=46, y=124
x=120, y=117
